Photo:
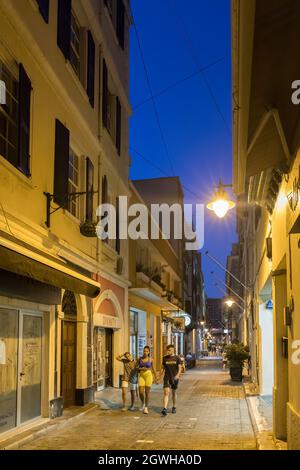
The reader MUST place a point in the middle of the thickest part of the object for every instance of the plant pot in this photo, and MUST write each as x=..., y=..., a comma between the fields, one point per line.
x=236, y=374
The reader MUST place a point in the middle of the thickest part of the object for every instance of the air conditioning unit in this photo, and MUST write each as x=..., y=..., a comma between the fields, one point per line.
x=119, y=268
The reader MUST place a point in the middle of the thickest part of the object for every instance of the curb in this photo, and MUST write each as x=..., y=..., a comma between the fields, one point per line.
x=264, y=437
x=19, y=441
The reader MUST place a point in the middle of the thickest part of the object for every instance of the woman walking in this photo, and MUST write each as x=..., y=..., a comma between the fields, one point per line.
x=146, y=376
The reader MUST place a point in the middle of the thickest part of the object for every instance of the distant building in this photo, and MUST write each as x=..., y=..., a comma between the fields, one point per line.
x=235, y=292
x=194, y=300
x=214, y=313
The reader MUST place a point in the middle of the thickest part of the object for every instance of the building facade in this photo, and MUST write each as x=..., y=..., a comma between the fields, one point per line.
x=156, y=312
x=194, y=301
x=266, y=180
x=63, y=150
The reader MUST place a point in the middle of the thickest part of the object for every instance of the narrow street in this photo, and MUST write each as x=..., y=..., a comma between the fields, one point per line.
x=212, y=414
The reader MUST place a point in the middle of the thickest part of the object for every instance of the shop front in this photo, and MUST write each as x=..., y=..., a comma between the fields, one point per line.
x=109, y=335
x=138, y=332
x=21, y=333
x=31, y=379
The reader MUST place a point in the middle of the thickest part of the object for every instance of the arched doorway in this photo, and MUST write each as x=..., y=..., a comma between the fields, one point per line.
x=68, y=349
x=108, y=343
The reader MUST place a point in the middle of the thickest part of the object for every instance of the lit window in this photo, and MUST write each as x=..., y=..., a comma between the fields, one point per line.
x=75, y=44
x=9, y=116
x=73, y=186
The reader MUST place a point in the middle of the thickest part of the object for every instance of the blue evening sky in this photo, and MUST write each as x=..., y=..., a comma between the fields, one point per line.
x=177, y=40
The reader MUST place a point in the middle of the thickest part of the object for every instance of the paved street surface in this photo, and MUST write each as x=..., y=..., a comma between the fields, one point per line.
x=212, y=414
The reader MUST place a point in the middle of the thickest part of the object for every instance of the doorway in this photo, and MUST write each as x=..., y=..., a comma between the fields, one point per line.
x=21, y=358
x=108, y=358
x=103, y=358
x=69, y=362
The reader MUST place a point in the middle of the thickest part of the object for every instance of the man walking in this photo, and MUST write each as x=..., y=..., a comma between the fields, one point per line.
x=172, y=368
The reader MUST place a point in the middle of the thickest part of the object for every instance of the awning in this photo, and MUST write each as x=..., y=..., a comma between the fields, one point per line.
x=20, y=260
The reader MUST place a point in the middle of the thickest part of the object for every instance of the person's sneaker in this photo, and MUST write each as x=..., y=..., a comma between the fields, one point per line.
x=146, y=411
x=132, y=408
x=164, y=412
x=174, y=410
x=124, y=408
x=142, y=408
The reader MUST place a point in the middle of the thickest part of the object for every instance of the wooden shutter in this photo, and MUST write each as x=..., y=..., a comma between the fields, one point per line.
x=64, y=27
x=91, y=69
x=61, y=163
x=44, y=9
x=121, y=23
x=118, y=125
x=118, y=244
x=89, y=188
x=104, y=195
x=24, y=121
x=104, y=95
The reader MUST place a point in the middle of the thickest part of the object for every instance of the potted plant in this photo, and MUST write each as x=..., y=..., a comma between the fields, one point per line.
x=236, y=355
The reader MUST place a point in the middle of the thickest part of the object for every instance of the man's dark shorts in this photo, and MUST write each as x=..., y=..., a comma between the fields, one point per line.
x=173, y=384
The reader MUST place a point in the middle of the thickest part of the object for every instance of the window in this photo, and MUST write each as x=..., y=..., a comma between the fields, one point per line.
x=15, y=118
x=73, y=183
x=111, y=109
x=9, y=116
x=116, y=12
x=75, y=44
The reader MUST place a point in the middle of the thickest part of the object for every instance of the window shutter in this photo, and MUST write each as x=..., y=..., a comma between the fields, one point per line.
x=104, y=195
x=89, y=188
x=118, y=125
x=91, y=69
x=24, y=121
x=61, y=163
x=104, y=95
x=121, y=23
x=44, y=9
x=118, y=244
x=64, y=26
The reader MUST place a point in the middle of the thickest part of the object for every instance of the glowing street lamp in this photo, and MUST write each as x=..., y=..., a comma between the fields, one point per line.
x=229, y=302
x=221, y=203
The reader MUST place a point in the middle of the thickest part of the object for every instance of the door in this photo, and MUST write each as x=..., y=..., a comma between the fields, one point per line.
x=69, y=363
x=108, y=358
x=31, y=367
x=20, y=367
x=9, y=341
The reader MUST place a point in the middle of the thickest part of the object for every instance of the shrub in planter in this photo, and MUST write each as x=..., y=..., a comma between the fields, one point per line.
x=236, y=355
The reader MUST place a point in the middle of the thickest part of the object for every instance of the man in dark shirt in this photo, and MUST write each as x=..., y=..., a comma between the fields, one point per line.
x=172, y=367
